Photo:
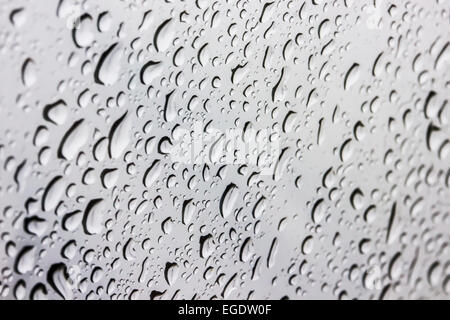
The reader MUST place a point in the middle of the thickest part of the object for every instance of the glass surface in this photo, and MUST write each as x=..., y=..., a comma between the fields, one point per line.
x=224, y=149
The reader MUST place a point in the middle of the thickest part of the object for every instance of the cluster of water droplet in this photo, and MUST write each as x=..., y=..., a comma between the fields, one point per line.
x=95, y=95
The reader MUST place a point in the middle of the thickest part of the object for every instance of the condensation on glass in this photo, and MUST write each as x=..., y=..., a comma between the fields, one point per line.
x=224, y=149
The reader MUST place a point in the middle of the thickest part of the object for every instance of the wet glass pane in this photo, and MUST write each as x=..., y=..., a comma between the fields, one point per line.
x=224, y=149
